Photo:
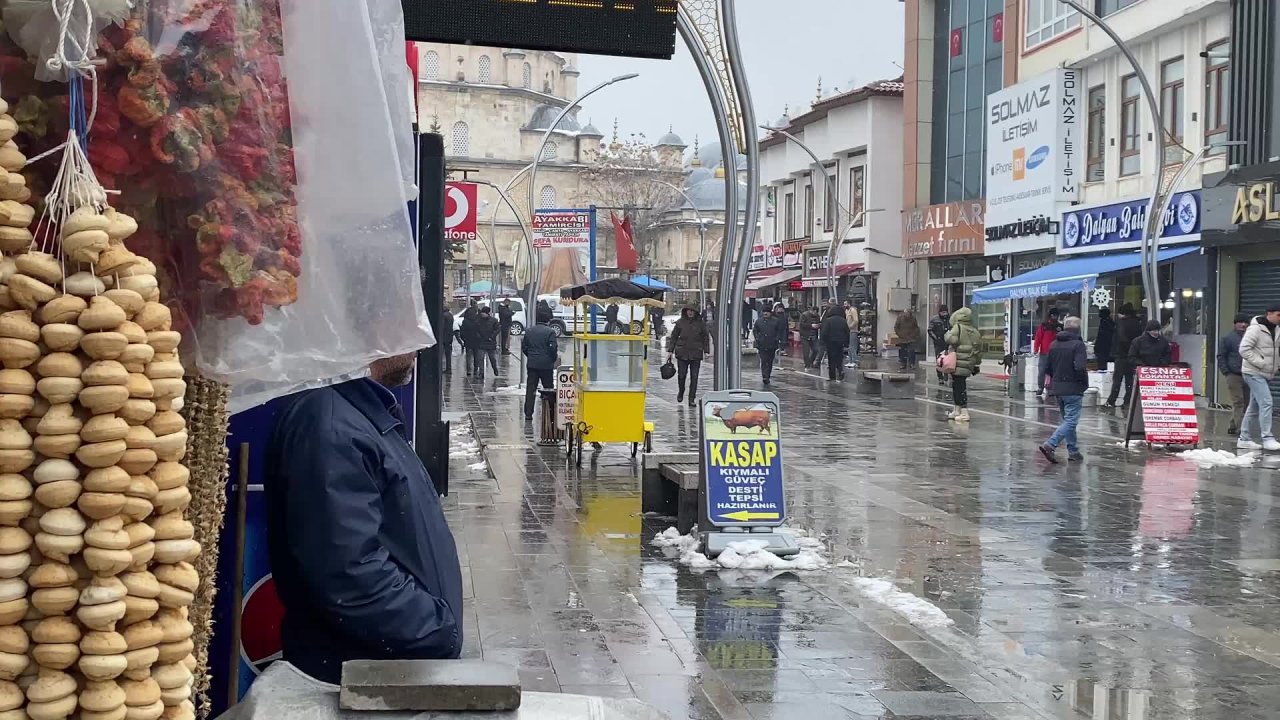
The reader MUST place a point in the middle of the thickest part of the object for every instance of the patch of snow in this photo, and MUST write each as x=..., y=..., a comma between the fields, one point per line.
x=464, y=450
x=745, y=554
x=1204, y=457
x=478, y=466
x=673, y=539
x=511, y=390
x=916, y=610
x=1134, y=445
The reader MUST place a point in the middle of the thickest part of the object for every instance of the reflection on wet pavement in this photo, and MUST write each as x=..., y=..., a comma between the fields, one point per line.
x=1134, y=586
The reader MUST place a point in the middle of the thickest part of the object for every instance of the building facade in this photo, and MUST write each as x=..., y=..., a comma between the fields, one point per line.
x=1103, y=161
x=858, y=136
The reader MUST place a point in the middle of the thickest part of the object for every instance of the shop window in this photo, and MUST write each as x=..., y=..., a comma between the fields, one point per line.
x=1173, y=93
x=857, y=194
x=808, y=208
x=1047, y=19
x=431, y=65
x=461, y=136
x=1130, y=136
x=1217, y=95
x=1097, y=134
x=526, y=77
x=486, y=70
x=1106, y=7
x=789, y=215
x=547, y=198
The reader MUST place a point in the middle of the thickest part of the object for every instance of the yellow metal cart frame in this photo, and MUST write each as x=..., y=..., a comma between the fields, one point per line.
x=611, y=371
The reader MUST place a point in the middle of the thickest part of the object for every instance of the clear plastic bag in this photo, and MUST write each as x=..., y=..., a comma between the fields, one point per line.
x=270, y=176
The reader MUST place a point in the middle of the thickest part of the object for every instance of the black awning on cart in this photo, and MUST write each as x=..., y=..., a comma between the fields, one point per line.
x=611, y=290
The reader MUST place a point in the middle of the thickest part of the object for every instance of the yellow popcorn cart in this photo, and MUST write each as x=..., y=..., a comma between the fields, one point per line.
x=611, y=371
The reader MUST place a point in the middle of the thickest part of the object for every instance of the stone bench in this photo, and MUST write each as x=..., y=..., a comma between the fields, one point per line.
x=669, y=485
x=888, y=385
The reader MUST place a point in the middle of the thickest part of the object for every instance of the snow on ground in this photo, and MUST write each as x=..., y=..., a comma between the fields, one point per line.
x=478, y=466
x=1134, y=445
x=507, y=390
x=916, y=610
x=745, y=554
x=1204, y=457
x=462, y=450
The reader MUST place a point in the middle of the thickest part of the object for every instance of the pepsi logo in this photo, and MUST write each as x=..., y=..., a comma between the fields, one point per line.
x=261, y=617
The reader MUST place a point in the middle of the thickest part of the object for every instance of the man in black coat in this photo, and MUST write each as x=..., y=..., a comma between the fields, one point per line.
x=467, y=336
x=810, y=324
x=541, y=356
x=1106, y=337
x=485, y=341
x=611, y=325
x=834, y=334
x=1067, y=367
x=1127, y=330
x=505, y=316
x=446, y=340
x=771, y=334
x=1231, y=365
x=363, y=560
x=1151, y=349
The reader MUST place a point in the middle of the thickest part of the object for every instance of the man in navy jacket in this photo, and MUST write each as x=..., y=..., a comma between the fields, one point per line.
x=364, y=562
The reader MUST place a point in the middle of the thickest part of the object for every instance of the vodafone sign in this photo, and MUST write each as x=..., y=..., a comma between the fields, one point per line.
x=460, y=211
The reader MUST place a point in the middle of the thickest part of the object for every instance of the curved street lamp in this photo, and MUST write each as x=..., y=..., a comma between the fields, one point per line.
x=702, y=241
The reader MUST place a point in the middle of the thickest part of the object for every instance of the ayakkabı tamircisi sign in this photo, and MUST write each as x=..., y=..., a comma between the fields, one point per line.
x=955, y=228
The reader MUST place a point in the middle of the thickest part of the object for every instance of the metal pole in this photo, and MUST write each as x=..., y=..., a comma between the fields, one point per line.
x=535, y=272
x=530, y=316
x=720, y=109
x=1159, y=197
x=750, y=137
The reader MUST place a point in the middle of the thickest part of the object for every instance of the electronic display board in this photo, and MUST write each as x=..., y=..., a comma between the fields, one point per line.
x=631, y=28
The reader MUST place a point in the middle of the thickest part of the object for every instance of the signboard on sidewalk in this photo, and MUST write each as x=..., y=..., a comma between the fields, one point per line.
x=1168, y=400
x=742, y=458
x=566, y=395
x=562, y=229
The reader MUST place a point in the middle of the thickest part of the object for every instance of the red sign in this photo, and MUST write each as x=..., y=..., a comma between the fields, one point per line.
x=460, y=211
x=997, y=28
x=1168, y=400
x=260, y=643
x=957, y=42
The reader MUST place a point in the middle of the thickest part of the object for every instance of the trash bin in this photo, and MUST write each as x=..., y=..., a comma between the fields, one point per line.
x=551, y=433
x=1018, y=378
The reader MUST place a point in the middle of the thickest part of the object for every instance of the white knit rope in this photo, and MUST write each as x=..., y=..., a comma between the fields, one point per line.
x=75, y=56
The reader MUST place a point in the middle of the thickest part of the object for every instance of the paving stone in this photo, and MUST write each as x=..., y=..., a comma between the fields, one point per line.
x=429, y=685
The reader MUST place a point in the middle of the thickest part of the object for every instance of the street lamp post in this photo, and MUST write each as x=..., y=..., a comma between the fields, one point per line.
x=702, y=241
x=535, y=271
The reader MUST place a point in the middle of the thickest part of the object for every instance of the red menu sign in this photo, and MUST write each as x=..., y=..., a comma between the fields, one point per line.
x=1168, y=405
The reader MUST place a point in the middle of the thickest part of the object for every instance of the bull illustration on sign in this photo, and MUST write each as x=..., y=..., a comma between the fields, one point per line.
x=751, y=418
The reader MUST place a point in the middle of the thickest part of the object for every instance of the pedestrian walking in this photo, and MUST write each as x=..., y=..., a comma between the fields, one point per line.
x=771, y=334
x=1151, y=348
x=689, y=344
x=1068, y=371
x=1259, y=354
x=505, y=316
x=1128, y=328
x=611, y=325
x=1105, y=339
x=656, y=319
x=467, y=336
x=446, y=340
x=939, y=327
x=1231, y=365
x=852, y=319
x=834, y=334
x=486, y=342
x=1046, y=333
x=360, y=552
x=810, y=323
x=908, y=332
x=966, y=341
x=748, y=317
x=541, y=357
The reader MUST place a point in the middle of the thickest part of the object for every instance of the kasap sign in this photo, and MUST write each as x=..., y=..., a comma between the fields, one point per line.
x=1120, y=226
x=1033, y=157
x=742, y=458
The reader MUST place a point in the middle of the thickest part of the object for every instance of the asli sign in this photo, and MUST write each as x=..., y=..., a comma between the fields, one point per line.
x=1033, y=156
x=742, y=458
x=1168, y=400
x=1119, y=226
x=563, y=229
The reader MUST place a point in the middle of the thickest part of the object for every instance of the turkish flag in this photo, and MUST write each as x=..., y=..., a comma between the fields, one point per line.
x=628, y=258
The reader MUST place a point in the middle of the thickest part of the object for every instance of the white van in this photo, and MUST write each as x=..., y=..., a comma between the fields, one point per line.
x=517, y=318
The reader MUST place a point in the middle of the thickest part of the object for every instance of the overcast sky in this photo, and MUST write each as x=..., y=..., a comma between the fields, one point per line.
x=786, y=45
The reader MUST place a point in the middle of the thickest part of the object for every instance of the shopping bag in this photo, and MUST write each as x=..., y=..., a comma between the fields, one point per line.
x=947, y=362
x=668, y=370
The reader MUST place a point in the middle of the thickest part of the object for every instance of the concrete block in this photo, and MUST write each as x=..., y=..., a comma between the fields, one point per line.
x=421, y=685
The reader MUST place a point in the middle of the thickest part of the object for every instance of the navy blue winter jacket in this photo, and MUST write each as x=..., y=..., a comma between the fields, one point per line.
x=364, y=562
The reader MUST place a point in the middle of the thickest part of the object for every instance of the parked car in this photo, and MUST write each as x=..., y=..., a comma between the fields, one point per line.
x=563, y=322
x=517, y=318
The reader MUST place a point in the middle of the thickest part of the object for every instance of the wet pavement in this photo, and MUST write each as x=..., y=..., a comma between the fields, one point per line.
x=1134, y=586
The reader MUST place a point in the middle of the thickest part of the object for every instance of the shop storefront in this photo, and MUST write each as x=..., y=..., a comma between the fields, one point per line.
x=948, y=240
x=1242, y=231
